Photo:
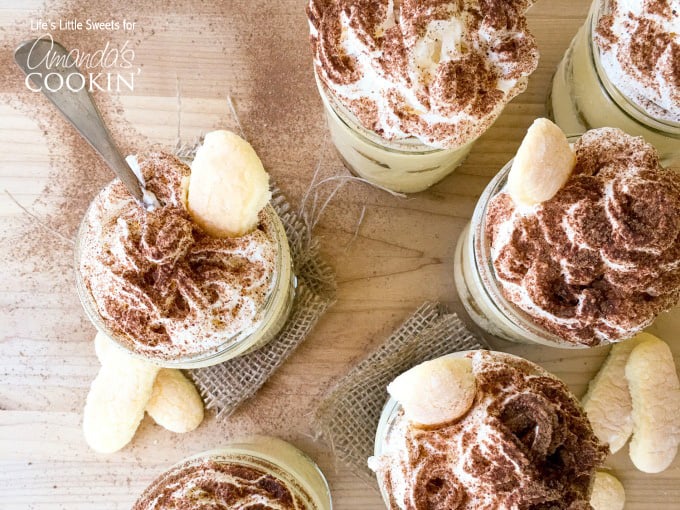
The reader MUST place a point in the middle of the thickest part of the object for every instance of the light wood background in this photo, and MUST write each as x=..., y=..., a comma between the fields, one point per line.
x=192, y=58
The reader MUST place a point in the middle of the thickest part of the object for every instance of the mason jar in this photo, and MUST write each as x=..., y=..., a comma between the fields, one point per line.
x=260, y=455
x=583, y=96
x=478, y=288
x=270, y=319
x=406, y=166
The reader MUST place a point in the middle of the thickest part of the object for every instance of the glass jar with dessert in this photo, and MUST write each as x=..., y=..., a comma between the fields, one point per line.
x=484, y=430
x=203, y=278
x=573, y=245
x=257, y=472
x=407, y=87
x=619, y=72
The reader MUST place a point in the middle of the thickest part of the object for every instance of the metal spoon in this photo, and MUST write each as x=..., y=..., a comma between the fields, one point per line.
x=42, y=60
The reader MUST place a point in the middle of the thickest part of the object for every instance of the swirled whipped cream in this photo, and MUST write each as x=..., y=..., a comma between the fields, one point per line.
x=215, y=483
x=439, y=71
x=601, y=259
x=639, y=46
x=524, y=444
x=162, y=285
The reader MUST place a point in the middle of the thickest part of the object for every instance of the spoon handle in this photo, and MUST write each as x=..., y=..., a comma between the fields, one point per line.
x=42, y=60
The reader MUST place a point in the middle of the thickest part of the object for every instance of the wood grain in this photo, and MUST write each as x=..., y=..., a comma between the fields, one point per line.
x=257, y=53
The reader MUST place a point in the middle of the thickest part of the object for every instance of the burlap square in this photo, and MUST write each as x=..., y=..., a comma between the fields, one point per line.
x=348, y=415
x=226, y=386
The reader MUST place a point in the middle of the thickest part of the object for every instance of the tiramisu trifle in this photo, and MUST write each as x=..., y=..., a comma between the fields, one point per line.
x=573, y=245
x=623, y=70
x=484, y=431
x=408, y=86
x=204, y=277
x=257, y=473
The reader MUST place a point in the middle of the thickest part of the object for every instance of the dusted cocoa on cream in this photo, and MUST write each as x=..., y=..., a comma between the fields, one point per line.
x=437, y=71
x=210, y=483
x=601, y=259
x=160, y=283
x=639, y=45
x=525, y=443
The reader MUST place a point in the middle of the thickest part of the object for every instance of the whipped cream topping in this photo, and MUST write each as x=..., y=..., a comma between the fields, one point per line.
x=639, y=46
x=160, y=283
x=211, y=483
x=439, y=71
x=601, y=259
x=524, y=444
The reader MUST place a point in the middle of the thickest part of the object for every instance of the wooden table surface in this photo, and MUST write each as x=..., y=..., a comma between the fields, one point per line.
x=192, y=58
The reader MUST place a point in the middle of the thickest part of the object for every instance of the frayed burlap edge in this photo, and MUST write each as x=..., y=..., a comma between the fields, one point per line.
x=349, y=413
x=226, y=386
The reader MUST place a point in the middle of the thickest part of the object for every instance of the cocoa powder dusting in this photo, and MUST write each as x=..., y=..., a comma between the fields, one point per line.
x=599, y=261
x=219, y=484
x=525, y=443
x=163, y=286
x=368, y=54
x=639, y=48
x=649, y=42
